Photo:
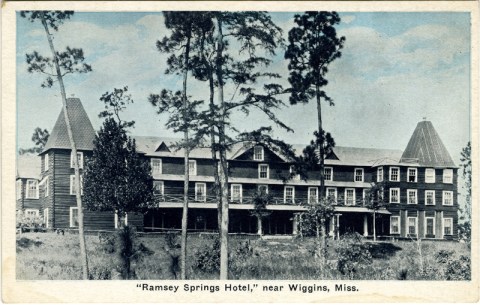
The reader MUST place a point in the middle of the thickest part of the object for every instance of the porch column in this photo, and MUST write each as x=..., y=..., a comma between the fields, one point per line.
x=338, y=225
x=365, y=225
x=295, y=224
x=259, y=226
x=331, y=232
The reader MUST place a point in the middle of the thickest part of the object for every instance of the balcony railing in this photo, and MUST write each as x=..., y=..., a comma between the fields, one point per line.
x=275, y=200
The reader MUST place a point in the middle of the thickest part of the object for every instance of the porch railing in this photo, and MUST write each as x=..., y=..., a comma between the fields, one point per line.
x=275, y=200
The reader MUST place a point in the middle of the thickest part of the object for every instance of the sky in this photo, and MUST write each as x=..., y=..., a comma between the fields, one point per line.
x=395, y=70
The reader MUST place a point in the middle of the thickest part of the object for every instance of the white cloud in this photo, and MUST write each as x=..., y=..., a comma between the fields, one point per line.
x=348, y=19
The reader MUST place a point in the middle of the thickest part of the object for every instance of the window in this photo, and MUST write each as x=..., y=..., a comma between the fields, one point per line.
x=31, y=213
x=332, y=193
x=429, y=175
x=412, y=225
x=80, y=159
x=328, y=173
x=121, y=220
x=448, y=175
x=394, y=174
x=289, y=194
x=158, y=187
x=412, y=175
x=379, y=174
x=47, y=187
x=72, y=185
x=429, y=197
x=263, y=171
x=263, y=189
x=200, y=192
x=156, y=165
x=394, y=195
x=394, y=224
x=358, y=174
x=412, y=196
x=45, y=217
x=45, y=163
x=19, y=189
x=32, y=189
x=236, y=193
x=447, y=226
x=192, y=167
x=258, y=153
x=349, y=196
x=293, y=173
x=447, y=198
x=312, y=195
x=430, y=226
x=73, y=217
x=365, y=196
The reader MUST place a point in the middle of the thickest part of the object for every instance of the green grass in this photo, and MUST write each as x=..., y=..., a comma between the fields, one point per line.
x=44, y=256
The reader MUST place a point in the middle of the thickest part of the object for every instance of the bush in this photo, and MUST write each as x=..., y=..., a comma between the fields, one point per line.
x=207, y=258
x=28, y=222
x=454, y=269
x=353, y=255
x=130, y=250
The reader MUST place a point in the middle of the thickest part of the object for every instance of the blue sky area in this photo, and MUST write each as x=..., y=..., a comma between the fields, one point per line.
x=396, y=68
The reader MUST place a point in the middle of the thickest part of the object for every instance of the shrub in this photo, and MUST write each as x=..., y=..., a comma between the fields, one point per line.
x=130, y=250
x=353, y=255
x=31, y=222
x=454, y=269
x=207, y=257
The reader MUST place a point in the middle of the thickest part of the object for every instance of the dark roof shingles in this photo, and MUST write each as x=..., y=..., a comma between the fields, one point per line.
x=83, y=132
x=426, y=146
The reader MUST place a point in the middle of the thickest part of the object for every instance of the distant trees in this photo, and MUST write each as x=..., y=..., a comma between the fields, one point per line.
x=62, y=63
x=117, y=178
x=465, y=228
x=40, y=138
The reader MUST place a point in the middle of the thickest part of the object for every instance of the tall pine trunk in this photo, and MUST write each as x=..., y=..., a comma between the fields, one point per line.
x=183, y=254
x=222, y=166
x=322, y=177
x=81, y=235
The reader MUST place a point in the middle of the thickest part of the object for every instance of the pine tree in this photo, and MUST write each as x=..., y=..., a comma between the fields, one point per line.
x=69, y=61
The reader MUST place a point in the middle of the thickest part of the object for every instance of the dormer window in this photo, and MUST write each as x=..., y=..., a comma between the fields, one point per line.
x=258, y=153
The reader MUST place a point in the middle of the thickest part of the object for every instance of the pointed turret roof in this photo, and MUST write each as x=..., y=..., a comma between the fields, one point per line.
x=83, y=132
x=427, y=148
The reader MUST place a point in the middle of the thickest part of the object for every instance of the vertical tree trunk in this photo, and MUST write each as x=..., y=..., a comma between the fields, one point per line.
x=183, y=254
x=322, y=175
x=259, y=225
x=374, y=227
x=81, y=235
x=222, y=167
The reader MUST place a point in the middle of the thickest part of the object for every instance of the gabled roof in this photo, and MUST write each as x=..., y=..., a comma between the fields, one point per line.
x=364, y=156
x=149, y=146
x=29, y=166
x=426, y=147
x=83, y=132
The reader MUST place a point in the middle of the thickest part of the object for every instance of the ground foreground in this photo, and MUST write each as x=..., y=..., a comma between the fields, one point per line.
x=43, y=256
